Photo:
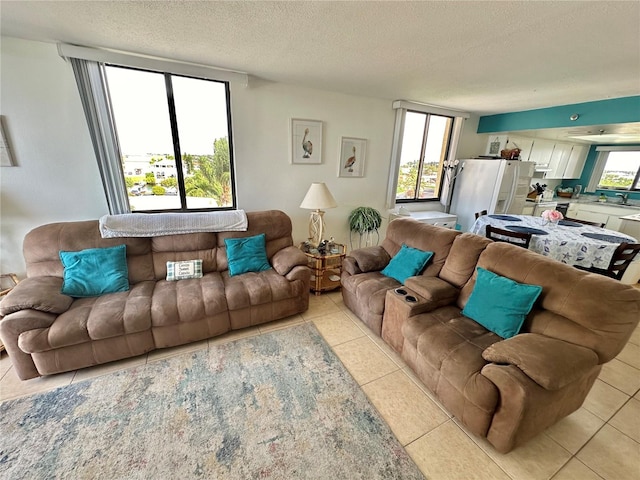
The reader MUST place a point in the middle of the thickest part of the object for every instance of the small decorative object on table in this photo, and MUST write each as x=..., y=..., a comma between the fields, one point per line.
x=325, y=262
x=551, y=217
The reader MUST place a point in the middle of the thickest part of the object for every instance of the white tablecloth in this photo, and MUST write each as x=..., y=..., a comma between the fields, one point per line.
x=563, y=243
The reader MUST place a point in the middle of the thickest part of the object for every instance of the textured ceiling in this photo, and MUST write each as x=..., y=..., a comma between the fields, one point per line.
x=482, y=57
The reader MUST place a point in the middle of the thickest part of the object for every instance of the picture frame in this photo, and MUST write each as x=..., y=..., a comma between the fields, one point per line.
x=6, y=160
x=306, y=141
x=353, y=153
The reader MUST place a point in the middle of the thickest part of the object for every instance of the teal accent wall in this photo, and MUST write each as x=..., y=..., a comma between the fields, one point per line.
x=617, y=110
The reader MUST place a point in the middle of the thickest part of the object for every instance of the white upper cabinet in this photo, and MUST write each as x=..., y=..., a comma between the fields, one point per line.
x=559, y=160
x=523, y=143
x=576, y=161
x=541, y=152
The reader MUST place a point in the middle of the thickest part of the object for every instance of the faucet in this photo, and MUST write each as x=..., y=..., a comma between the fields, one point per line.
x=623, y=196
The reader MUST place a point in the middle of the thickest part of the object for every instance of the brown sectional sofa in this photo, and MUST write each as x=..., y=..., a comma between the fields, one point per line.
x=507, y=390
x=46, y=332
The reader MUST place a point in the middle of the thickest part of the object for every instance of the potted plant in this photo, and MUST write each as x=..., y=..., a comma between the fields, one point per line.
x=365, y=221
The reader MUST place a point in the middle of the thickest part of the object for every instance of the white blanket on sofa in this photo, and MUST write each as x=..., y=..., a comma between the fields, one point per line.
x=158, y=224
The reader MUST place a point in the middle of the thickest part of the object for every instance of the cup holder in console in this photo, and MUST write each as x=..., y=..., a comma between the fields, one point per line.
x=400, y=291
x=411, y=299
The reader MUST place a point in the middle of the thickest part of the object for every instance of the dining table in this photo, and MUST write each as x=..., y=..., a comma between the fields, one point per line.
x=568, y=242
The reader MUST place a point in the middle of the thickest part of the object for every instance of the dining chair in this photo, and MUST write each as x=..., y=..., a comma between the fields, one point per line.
x=622, y=258
x=515, y=238
x=585, y=222
x=481, y=213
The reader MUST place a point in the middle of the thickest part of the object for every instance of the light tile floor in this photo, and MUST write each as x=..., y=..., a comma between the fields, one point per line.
x=601, y=440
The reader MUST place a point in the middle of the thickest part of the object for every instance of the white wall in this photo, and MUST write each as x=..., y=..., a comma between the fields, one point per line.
x=57, y=178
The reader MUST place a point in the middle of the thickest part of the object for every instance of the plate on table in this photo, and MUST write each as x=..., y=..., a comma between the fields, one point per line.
x=569, y=223
x=505, y=217
x=523, y=229
x=606, y=238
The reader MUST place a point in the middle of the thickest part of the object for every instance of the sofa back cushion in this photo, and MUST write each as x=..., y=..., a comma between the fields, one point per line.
x=42, y=246
x=579, y=307
x=462, y=259
x=422, y=236
x=276, y=226
x=188, y=246
x=147, y=257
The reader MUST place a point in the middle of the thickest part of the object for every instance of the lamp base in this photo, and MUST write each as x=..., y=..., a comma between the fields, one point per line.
x=316, y=227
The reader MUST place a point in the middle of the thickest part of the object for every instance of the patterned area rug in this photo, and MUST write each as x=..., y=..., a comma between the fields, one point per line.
x=275, y=406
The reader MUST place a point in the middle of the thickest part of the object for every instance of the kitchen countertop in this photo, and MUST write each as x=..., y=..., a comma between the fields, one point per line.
x=633, y=204
x=633, y=218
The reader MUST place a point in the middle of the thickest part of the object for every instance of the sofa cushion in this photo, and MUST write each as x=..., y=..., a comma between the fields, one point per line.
x=423, y=237
x=95, y=271
x=581, y=302
x=94, y=318
x=247, y=254
x=463, y=257
x=406, y=263
x=188, y=300
x=449, y=360
x=36, y=293
x=499, y=303
x=551, y=363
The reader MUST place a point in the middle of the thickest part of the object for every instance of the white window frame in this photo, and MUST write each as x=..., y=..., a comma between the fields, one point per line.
x=601, y=162
x=402, y=107
x=88, y=65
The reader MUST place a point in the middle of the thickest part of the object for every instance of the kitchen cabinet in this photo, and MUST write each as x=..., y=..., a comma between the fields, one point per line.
x=576, y=161
x=541, y=151
x=523, y=143
x=559, y=160
x=601, y=213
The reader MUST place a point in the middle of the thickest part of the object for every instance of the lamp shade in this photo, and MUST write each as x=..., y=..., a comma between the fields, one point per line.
x=318, y=197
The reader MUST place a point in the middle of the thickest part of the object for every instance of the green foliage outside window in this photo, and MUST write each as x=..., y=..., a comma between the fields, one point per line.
x=616, y=181
x=210, y=175
x=408, y=179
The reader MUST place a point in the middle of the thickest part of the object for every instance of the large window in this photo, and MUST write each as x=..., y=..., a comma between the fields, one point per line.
x=174, y=138
x=425, y=143
x=620, y=170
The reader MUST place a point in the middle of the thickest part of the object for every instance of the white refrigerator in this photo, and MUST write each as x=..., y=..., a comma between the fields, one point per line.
x=498, y=186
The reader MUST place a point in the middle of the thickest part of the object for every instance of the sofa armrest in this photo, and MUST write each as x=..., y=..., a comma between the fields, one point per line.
x=370, y=259
x=549, y=362
x=36, y=293
x=434, y=290
x=287, y=258
x=11, y=327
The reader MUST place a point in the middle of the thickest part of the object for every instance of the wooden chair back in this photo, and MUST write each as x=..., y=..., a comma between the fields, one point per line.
x=516, y=238
x=481, y=213
x=622, y=258
x=585, y=222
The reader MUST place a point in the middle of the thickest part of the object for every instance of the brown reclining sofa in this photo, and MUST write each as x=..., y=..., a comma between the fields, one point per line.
x=46, y=332
x=507, y=390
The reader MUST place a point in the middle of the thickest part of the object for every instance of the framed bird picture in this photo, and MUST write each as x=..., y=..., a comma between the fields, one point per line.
x=306, y=141
x=353, y=152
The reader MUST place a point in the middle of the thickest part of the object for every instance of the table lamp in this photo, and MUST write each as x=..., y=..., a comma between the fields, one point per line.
x=317, y=198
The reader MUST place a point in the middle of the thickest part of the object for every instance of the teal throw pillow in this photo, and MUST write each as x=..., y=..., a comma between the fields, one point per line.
x=247, y=254
x=500, y=304
x=406, y=263
x=95, y=271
